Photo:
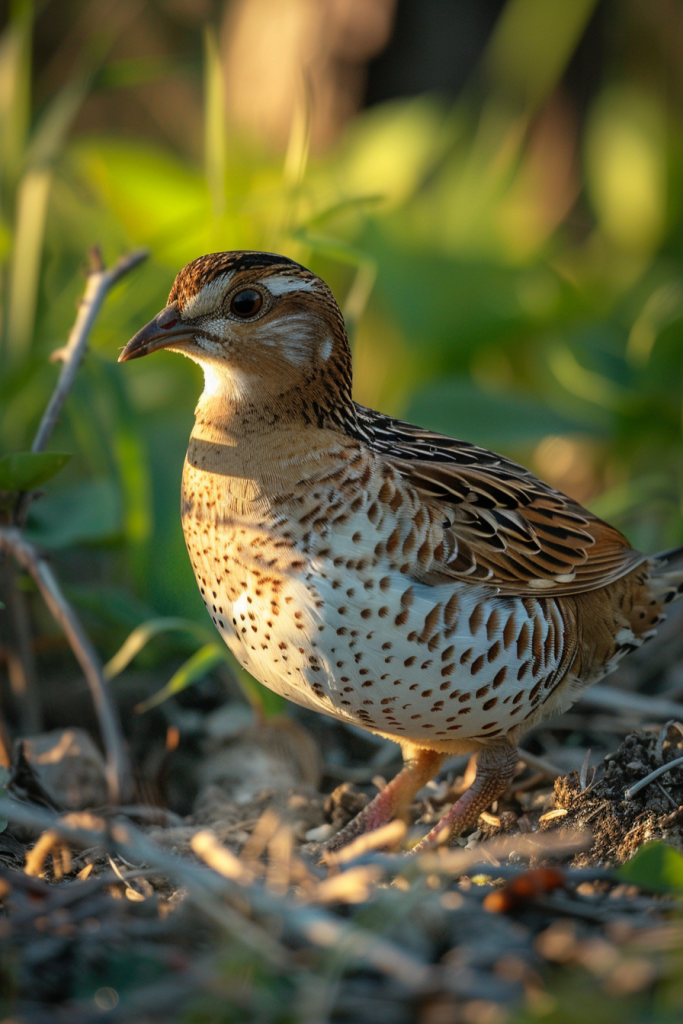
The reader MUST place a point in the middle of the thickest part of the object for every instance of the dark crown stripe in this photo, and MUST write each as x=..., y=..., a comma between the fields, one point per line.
x=205, y=269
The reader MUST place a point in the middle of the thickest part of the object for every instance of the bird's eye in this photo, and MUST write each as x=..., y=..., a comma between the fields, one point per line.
x=246, y=303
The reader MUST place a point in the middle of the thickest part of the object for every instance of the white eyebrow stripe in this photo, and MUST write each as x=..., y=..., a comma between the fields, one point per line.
x=281, y=284
x=209, y=297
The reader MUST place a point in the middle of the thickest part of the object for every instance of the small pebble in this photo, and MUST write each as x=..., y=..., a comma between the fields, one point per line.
x=320, y=834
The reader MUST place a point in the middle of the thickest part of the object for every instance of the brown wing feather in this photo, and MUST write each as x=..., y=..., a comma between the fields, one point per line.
x=502, y=526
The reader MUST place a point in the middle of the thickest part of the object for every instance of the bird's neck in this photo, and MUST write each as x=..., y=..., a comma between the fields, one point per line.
x=242, y=404
x=245, y=429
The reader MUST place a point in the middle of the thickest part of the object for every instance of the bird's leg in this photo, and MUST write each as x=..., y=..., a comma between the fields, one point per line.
x=495, y=769
x=419, y=767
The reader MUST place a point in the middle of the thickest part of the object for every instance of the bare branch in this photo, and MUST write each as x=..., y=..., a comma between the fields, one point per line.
x=119, y=777
x=100, y=281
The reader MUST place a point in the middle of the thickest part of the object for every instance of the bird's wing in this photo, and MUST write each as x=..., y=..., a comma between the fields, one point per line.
x=502, y=527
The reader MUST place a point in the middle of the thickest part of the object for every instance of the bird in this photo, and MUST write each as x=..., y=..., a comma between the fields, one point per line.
x=394, y=578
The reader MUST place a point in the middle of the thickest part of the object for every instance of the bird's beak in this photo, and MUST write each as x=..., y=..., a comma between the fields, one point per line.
x=165, y=329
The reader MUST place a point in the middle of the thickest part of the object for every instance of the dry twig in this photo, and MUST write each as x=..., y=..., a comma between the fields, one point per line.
x=659, y=749
x=540, y=764
x=100, y=281
x=119, y=777
x=632, y=790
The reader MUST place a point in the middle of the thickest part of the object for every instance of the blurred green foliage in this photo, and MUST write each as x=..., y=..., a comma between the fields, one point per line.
x=506, y=276
x=656, y=867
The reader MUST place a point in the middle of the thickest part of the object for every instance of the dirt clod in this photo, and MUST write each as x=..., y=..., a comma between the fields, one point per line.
x=343, y=804
x=621, y=824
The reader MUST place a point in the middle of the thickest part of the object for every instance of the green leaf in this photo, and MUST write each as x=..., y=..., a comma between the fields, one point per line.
x=657, y=868
x=196, y=667
x=111, y=605
x=22, y=471
x=478, y=300
x=87, y=513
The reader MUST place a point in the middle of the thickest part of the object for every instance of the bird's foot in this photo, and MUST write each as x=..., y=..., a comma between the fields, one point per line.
x=392, y=801
x=495, y=769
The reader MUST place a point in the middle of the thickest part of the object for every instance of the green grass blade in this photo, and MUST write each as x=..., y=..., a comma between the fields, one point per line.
x=195, y=668
x=32, y=200
x=214, y=124
x=532, y=43
x=142, y=635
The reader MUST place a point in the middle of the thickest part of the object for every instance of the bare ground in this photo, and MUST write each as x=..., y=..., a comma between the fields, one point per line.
x=135, y=915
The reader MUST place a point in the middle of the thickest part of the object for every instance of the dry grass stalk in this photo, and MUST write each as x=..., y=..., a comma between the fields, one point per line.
x=559, y=812
x=352, y=886
x=35, y=858
x=216, y=856
x=278, y=872
x=390, y=835
x=266, y=827
x=534, y=845
x=130, y=893
x=631, y=792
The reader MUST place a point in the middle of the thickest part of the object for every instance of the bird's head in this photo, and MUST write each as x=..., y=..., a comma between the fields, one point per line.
x=256, y=322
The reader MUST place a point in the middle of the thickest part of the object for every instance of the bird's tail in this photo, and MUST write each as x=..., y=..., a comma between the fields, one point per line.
x=666, y=577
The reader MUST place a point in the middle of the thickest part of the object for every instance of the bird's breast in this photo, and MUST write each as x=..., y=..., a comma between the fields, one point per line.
x=318, y=606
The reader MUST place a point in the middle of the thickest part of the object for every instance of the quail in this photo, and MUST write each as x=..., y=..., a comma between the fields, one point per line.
x=412, y=584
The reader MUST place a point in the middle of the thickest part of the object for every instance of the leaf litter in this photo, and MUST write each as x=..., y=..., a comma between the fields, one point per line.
x=228, y=912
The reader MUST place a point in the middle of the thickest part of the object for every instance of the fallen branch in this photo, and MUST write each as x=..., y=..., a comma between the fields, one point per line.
x=119, y=776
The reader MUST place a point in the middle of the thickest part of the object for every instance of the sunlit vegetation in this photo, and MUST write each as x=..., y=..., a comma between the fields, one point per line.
x=505, y=278
x=509, y=275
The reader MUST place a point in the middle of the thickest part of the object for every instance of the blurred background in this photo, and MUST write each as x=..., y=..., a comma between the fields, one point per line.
x=492, y=190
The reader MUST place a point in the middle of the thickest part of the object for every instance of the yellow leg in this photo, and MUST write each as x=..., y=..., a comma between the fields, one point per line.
x=495, y=769
x=393, y=801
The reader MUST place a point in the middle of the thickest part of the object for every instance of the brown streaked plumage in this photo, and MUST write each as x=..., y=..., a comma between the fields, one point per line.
x=415, y=585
